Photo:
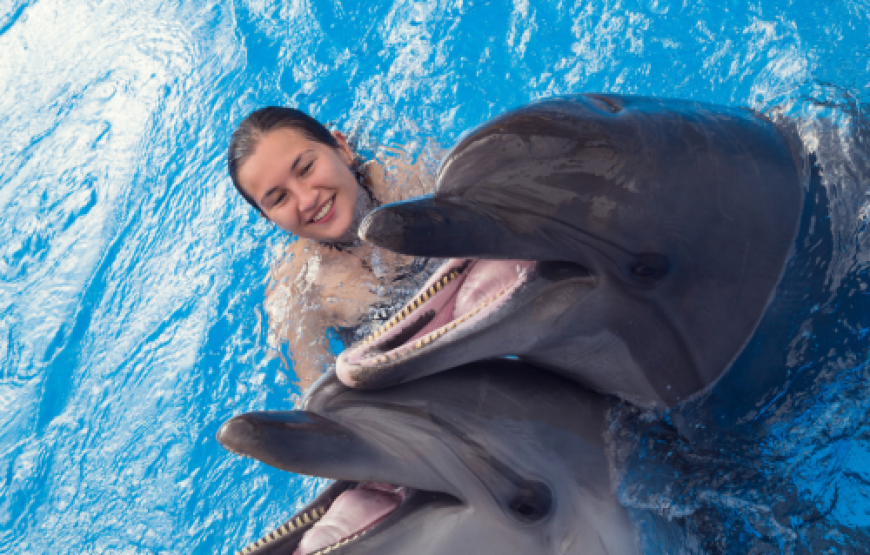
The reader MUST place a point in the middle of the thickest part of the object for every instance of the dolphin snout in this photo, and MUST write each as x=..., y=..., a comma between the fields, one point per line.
x=237, y=434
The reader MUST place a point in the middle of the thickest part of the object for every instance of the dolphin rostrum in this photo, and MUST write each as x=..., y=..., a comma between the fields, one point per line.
x=631, y=244
x=495, y=457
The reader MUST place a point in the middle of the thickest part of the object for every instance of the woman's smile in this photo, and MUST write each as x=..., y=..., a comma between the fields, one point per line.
x=325, y=213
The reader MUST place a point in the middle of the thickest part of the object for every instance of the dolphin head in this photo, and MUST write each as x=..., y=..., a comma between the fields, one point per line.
x=629, y=243
x=495, y=457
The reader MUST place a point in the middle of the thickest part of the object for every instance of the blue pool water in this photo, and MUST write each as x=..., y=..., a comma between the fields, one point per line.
x=132, y=278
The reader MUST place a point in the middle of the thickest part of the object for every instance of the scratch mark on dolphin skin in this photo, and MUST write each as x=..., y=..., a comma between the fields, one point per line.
x=747, y=247
x=601, y=542
x=602, y=207
x=481, y=398
x=520, y=405
x=722, y=208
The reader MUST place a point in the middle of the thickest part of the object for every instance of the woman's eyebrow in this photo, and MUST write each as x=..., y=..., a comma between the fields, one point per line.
x=299, y=157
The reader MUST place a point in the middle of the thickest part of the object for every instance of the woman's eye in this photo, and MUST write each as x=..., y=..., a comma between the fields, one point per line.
x=280, y=199
x=307, y=168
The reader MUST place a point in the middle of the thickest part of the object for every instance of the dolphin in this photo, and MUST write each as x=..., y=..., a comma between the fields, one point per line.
x=629, y=243
x=495, y=457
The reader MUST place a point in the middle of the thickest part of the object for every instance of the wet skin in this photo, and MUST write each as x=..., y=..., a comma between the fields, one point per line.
x=659, y=231
x=498, y=457
x=305, y=187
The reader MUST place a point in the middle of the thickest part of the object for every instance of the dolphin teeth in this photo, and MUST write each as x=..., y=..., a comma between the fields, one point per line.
x=438, y=287
x=427, y=340
x=425, y=296
x=451, y=325
x=340, y=543
x=418, y=344
x=305, y=518
x=382, y=359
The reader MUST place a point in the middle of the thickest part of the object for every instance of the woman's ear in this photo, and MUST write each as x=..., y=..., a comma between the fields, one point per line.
x=343, y=146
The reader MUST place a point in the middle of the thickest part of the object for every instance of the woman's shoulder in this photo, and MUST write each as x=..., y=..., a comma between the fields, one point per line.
x=396, y=174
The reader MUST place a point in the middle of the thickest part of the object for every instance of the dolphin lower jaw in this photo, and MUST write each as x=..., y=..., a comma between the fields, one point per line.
x=290, y=537
x=443, y=312
x=286, y=537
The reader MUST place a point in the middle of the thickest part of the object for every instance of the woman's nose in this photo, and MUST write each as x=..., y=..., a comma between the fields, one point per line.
x=307, y=198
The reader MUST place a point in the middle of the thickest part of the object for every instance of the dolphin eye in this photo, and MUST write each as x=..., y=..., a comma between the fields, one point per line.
x=532, y=503
x=650, y=267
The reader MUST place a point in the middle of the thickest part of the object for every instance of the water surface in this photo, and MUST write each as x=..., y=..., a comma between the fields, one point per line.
x=132, y=277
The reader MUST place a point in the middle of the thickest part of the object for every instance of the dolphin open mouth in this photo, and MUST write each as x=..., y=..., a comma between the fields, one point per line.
x=340, y=517
x=453, y=303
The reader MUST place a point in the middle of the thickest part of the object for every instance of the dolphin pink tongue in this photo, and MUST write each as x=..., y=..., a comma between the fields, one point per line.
x=353, y=511
x=485, y=279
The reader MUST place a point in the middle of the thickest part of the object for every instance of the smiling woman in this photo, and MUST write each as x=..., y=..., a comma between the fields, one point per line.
x=299, y=175
x=311, y=183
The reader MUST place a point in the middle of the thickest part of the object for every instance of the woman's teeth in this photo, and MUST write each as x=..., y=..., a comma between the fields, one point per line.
x=323, y=211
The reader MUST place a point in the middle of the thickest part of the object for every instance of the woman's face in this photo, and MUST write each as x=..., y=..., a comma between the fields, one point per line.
x=304, y=187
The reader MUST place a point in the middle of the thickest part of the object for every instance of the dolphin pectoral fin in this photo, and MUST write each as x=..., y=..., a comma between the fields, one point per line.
x=436, y=228
x=295, y=441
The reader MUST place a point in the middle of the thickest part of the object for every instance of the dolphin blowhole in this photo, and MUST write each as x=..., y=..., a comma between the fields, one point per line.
x=290, y=538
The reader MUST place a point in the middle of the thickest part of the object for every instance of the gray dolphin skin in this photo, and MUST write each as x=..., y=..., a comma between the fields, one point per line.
x=631, y=244
x=495, y=457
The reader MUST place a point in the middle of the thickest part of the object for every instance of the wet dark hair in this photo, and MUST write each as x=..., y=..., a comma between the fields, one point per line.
x=247, y=135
